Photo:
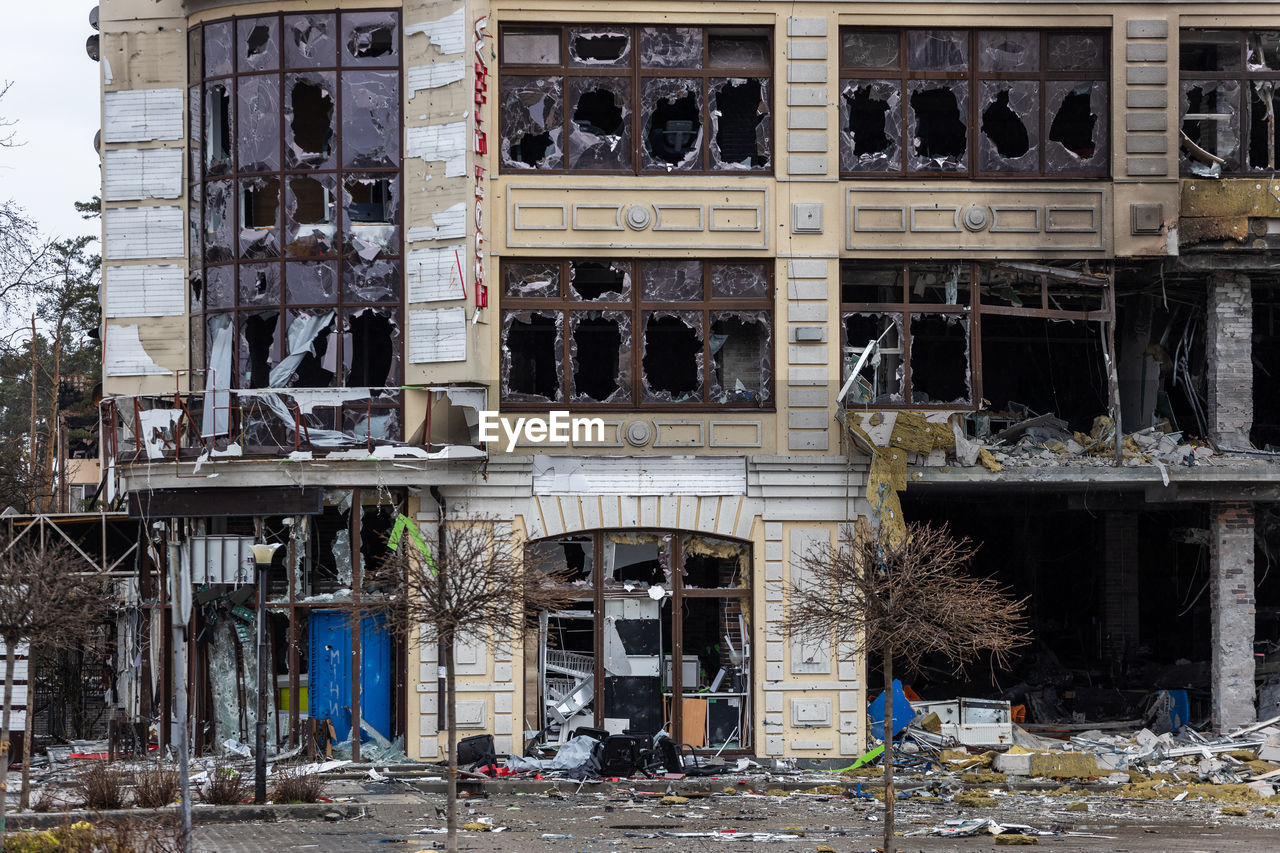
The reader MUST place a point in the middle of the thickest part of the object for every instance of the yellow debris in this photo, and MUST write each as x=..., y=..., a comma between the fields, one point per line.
x=477, y=826
x=1077, y=807
x=1014, y=840
x=989, y=461
x=826, y=789
x=975, y=799
x=1234, y=811
x=982, y=778
x=672, y=800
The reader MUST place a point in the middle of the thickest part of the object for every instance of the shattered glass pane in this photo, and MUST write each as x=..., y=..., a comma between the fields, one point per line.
x=1008, y=50
x=310, y=120
x=370, y=205
x=1262, y=50
x=601, y=281
x=219, y=288
x=309, y=283
x=195, y=54
x=258, y=350
x=195, y=234
x=1211, y=119
x=939, y=359
x=532, y=280
x=637, y=561
x=312, y=360
x=371, y=336
x=1076, y=52
x=1078, y=127
x=740, y=280
x=310, y=215
x=1010, y=125
x=672, y=114
x=600, y=356
x=938, y=125
x=671, y=281
x=1208, y=50
x=871, y=284
x=671, y=47
x=599, y=47
x=880, y=381
x=258, y=129
x=738, y=51
x=219, y=129
x=258, y=43
x=671, y=356
x=532, y=353
x=260, y=217
x=377, y=423
x=531, y=122
x=370, y=119
x=218, y=230
x=370, y=38
x=530, y=47
x=310, y=41
x=869, y=49
x=871, y=121
x=600, y=132
x=939, y=284
x=741, y=357
x=219, y=50
x=370, y=281
x=260, y=284
x=739, y=123
x=938, y=50
x=1262, y=124
x=195, y=126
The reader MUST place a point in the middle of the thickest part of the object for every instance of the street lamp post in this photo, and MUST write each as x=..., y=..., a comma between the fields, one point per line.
x=262, y=555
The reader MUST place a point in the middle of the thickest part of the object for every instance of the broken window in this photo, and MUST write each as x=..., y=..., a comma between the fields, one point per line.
x=298, y=249
x=932, y=358
x=1016, y=76
x=1228, y=101
x=704, y=332
x=587, y=95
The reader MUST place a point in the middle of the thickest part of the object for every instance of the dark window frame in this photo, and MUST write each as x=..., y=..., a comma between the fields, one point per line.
x=564, y=304
x=387, y=400
x=903, y=75
x=1243, y=75
x=565, y=70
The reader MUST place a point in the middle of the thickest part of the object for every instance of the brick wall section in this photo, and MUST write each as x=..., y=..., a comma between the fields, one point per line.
x=1120, y=591
x=1229, y=353
x=1231, y=591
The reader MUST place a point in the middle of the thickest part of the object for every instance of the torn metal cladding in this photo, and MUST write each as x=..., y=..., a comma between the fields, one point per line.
x=1078, y=129
x=871, y=121
x=530, y=121
x=600, y=355
x=671, y=113
x=1010, y=113
x=671, y=281
x=599, y=47
x=938, y=125
x=600, y=281
x=307, y=330
x=671, y=47
x=532, y=356
x=532, y=280
x=741, y=352
x=600, y=132
x=739, y=123
x=671, y=356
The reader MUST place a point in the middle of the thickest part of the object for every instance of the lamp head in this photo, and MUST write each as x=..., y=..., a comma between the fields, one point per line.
x=262, y=553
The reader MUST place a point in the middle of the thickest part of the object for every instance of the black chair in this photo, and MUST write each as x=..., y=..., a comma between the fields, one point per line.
x=586, y=731
x=476, y=750
x=623, y=755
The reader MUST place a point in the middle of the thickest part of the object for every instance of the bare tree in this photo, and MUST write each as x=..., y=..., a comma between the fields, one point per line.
x=44, y=601
x=475, y=582
x=903, y=596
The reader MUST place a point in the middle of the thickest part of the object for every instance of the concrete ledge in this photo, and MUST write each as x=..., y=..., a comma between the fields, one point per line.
x=199, y=814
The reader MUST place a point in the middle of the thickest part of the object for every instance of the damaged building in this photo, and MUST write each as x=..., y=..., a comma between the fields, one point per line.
x=805, y=266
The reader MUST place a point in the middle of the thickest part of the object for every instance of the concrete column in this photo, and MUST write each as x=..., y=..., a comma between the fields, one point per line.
x=1229, y=354
x=1120, y=635
x=1233, y=613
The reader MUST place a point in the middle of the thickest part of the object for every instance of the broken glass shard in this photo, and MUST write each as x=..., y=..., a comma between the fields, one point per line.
x=260, y=217
x=532, y=349
x=310, y=120
x=219, y=129
x=370, y=119
x=601, y=281
x=869, y=49
x=310, y=41
x=370, y=281
x=938, y=50
x=739, y=280
x=370, y=205
x=880, y=381
x=672, y=113
x=1211, y=118
x=937, y=125
x=671, y=281
x=739, y=124
x=671, y=356
x=531, y=122
x=599, y=47
x=526, y=280
x=1010, y=126
x=219, y=288
x=308, y=283
x=600, y=135
x=871, y=117
x=671, y=47
x=260, y=284
x=310, y=215
x=600, y=355
x=370, y=38
x=259, y=43
x=741, y=357
x=218, y=231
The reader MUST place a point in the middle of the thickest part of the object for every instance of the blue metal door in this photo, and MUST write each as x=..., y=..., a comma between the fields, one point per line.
x=330, y=672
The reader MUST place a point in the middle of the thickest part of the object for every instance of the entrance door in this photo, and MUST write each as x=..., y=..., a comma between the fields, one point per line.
x=330, y=673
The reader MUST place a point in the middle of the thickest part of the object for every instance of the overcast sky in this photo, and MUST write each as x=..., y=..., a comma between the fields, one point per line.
x=54, y=100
